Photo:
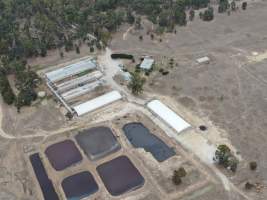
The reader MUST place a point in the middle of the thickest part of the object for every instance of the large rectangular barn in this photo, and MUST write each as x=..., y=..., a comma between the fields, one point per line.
x=73, y=83
x=97, y=102
x=168, y=116
x=79, y=91
x=70, y=70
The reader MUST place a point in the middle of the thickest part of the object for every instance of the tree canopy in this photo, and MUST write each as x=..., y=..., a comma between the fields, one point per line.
x=136, y=83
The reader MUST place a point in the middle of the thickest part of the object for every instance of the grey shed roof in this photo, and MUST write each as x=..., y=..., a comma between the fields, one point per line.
x=70, y=70
x=147, y=63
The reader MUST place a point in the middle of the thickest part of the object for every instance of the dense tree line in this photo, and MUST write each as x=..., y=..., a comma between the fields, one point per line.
x=5, y=88
x=25, y=83
x=30, y=28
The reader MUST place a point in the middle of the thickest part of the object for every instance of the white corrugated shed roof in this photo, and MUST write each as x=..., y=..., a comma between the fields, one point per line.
x=168, y=116
x=70, y=70
x=203, y=60
x=147, y=63
x=97, y=102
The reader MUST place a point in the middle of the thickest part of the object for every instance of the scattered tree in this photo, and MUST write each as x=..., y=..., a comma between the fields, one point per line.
x=176, y=179
x=138, y=22
x=178, y=175
x=253, y=165
x=130, y=17
x=181, y=172
x=224, y=157
x=232, y=163
x=222, y=154
x=136, y=83
x=69, y=115
x=61, y=54
x=233, y=5
x=249, y=186
x=191, y=15
x=77, y=48
x=208, y=14
x=244, y=5
x=223, y=6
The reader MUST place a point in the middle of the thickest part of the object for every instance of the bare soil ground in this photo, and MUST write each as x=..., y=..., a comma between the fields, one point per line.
x=44, y=116
x=230, y=91
x=53, y=57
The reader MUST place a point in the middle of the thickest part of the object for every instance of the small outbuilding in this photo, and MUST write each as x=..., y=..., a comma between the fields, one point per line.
x=203, y=60
x=147, y=63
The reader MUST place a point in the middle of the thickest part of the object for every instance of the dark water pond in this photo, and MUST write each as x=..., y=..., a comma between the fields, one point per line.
x=79, y=186
x=140, y=137
x=63, y=154
x=120, y=175
x=97, y=142
x=45, y=183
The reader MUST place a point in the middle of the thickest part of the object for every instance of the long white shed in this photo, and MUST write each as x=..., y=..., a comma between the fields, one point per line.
x=73, y=83
x=168, y=116
x=79, y=91
x=70, y=70
x=97, y=102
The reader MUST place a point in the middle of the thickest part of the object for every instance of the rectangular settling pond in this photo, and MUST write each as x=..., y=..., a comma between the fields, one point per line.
x=140, y=137
x=120, y=175
x=63, y=154
x=79, y=186
x=45, y=183
x=97, y=142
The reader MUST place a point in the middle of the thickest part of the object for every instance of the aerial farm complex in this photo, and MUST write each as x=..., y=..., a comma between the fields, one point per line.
x=100, y=151
x=168, y=104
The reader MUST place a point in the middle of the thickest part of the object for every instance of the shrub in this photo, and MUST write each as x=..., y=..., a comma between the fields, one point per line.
x=224, y=157
x=178, y=175
x=61, y=54
x=176, y=179
x=253, y=165
x=208, y=14
x=77, y=48
x=181, y=172
x=165, y=73
x=249, y=185
x=244, y=5
x=136, y=84
x=121, y=56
